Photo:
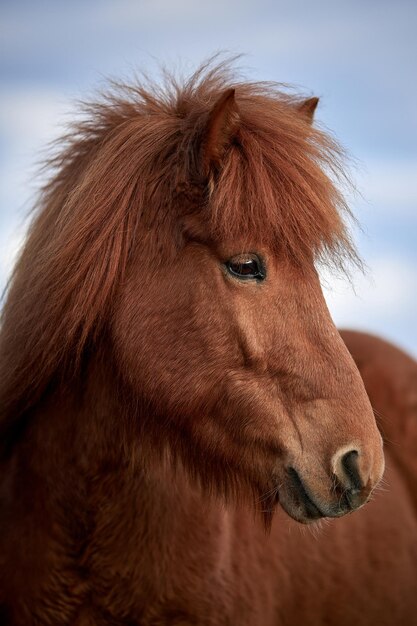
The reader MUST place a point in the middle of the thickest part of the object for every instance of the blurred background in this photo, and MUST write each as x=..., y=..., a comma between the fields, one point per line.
x=359, y=56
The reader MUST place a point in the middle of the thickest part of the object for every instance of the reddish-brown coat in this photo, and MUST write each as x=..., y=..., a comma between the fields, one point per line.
x=151, y=405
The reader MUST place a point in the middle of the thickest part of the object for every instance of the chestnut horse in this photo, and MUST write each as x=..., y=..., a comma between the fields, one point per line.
x=170, y=373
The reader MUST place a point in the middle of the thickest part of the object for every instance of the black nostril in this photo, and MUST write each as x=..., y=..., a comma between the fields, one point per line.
x=350, y=467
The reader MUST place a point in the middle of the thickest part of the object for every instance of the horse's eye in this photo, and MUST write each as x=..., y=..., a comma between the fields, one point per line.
x=246, y=267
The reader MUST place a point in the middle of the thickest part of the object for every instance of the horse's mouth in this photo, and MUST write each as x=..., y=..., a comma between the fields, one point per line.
x=299, y=503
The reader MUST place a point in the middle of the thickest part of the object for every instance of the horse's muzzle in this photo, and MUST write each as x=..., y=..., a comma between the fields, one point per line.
x=348, y=491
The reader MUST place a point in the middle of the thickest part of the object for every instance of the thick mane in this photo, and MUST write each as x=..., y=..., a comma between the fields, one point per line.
x=127, y=162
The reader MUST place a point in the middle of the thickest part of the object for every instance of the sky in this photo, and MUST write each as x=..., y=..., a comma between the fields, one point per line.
x=359, y=57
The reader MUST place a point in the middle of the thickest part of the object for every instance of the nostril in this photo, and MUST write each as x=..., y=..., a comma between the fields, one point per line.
x=349, y=463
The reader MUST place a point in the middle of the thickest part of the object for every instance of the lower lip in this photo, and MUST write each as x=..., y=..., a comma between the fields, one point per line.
x=311, y=510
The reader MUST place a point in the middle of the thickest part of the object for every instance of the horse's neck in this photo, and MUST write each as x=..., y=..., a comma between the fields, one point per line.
x=83, y=458
x=89, y=518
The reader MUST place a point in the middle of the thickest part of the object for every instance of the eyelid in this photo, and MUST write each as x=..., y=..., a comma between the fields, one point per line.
x=241, y=260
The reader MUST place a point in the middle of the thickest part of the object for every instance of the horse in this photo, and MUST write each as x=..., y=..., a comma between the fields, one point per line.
x=175, y=400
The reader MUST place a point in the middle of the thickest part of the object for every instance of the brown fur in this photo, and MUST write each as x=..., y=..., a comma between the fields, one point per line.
x=390, y=378
x=153, y=407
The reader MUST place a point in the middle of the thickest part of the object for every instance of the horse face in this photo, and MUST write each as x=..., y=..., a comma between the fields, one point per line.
x=235, y=351
x=229, y=341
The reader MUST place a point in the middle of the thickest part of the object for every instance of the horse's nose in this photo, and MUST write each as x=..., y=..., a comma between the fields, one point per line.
x=355, y=486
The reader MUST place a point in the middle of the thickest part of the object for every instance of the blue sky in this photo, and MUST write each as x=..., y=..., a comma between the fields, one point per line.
x=360, y=57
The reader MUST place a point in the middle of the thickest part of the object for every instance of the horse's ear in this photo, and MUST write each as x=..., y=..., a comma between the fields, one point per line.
x=221, y=128
x=307, y=108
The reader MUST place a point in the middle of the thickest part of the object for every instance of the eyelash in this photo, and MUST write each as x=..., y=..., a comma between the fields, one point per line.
x=246, y=267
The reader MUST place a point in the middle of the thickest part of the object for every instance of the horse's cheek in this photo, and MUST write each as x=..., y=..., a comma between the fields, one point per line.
x=155, y=340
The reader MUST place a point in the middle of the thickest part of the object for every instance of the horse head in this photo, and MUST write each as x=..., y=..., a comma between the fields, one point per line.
x=185, y=227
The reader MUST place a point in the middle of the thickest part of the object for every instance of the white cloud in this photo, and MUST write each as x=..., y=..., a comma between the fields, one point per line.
x=9, y=249
x=383, y=302
x=30, y=118
x=29, y=115
x=126, y=13
x=386, y=292
x=390, y=185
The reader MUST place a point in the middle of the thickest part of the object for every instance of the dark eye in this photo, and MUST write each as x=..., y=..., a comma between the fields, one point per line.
x=246, y=267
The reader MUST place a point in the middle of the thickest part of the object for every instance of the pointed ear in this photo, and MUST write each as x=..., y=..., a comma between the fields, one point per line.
x=307, y=108
x=222, y=126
